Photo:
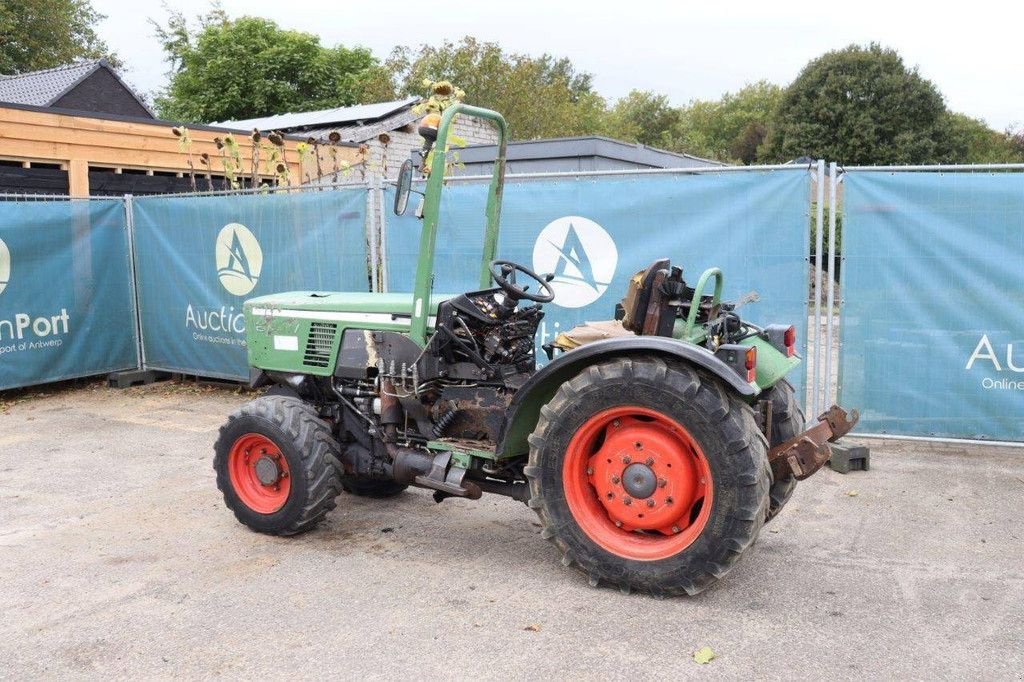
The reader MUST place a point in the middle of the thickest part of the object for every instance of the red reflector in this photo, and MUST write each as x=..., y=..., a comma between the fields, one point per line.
x=789, y=339
x=751, y=364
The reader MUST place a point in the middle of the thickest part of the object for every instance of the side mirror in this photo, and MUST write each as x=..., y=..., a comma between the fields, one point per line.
x=403, y=188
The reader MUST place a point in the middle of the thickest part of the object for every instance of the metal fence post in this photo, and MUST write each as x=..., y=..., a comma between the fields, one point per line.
x=370, y=227
x=129, y=216
x=830, y=309
x=819, y=215
x=382, y=224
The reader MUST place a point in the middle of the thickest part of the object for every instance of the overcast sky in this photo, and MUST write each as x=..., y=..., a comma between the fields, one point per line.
x=686, y=50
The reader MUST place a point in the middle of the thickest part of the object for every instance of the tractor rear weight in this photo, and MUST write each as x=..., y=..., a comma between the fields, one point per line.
x=653, y=447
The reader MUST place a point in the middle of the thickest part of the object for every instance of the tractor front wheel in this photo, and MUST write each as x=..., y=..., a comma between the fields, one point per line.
x=277, y=465
x=648, y=475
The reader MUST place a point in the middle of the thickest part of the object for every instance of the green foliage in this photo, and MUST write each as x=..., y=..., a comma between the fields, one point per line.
x=861, y=105
x=974, y=142
x=645, y=117
x=249, y=67
x=42, y=34
x=539, y=96
x=731, y=128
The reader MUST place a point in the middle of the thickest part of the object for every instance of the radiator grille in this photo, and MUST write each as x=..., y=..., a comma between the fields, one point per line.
x=318, y=347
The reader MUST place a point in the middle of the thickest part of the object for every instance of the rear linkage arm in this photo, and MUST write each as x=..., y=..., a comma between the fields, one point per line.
x=803, y=454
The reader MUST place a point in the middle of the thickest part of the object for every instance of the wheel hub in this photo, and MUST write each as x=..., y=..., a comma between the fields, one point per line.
x=259, y=473
x=646, y=477
x=267, y=470
x=639, y=480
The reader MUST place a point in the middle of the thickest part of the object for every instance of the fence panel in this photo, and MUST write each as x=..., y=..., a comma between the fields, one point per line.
x=594, y=233
x=199, y=258
x=66, y=307
x=933, y=290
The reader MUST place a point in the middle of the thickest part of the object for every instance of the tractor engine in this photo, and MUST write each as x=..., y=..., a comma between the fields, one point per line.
x=489, y=331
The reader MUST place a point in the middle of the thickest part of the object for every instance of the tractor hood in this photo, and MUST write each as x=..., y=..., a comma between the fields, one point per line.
x=300, y=331
x=339, y=302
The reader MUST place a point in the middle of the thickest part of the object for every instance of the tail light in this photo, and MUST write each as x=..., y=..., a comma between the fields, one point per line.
x=789, y=340
x=781, y=337
x=740, y=359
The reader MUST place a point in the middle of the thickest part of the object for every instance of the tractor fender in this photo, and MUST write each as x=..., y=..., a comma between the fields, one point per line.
x=524, y=410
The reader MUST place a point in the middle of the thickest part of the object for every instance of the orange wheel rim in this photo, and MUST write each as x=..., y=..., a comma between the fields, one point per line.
x=259, y=473
x=637, y=483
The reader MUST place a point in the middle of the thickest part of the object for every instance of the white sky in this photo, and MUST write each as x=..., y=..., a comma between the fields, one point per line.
x=683, y=49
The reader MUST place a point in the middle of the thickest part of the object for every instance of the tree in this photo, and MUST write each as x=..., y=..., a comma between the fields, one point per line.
x=249, y=67
x=644, y=117
x=861, y=105
x=730, y=128
x=539, y=96
x=42, y=34
x=974, y=142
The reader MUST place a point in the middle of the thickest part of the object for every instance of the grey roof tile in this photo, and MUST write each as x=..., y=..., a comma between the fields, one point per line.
x=43, y=88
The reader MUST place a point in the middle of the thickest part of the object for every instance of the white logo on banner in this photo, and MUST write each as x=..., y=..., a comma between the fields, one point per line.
x=239, y=259
x=581, y=255
x=985, y=354
x=5, y=265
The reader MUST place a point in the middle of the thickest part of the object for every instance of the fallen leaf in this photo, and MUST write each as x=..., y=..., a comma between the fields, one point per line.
x=704, y=655
x=532, y=627
x=851, y=493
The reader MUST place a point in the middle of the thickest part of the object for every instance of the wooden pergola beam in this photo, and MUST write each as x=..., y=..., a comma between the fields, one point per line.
x=76, y=142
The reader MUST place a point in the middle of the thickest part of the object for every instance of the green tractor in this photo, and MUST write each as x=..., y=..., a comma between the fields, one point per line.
x=653, y=447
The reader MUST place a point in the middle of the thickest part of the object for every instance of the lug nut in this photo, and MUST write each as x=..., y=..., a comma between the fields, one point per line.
x=649, y=462
x=627, y=501
x=626, y=459
x=650, y=502
x=662, y=482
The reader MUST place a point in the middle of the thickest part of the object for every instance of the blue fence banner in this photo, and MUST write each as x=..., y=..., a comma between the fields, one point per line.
x=595, y=233
x=66, y=306
x=199, y=258
x=933, y=288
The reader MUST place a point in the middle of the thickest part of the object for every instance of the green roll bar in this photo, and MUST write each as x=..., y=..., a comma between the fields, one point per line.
x=432, y=207
x=698, y=291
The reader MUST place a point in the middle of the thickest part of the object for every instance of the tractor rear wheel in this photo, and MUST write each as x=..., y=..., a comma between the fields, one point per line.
x=648, y=475
x=277, y=465
x=787, y=422
x=368, y=487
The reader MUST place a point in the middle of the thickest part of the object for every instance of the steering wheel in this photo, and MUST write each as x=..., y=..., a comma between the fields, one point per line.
x=503, y=272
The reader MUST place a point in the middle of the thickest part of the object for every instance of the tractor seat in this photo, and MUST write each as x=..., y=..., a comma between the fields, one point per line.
x=648, y=309
x=648, y=303
x=588, y=332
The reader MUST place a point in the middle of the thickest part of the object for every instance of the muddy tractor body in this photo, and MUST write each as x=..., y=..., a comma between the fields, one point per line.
x=653, y=446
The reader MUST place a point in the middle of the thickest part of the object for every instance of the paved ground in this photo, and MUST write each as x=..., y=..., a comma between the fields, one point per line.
x=118, y=559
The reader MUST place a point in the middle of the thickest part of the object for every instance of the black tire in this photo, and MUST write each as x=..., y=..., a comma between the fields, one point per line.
x=310, y=452
x=787, y=421
x=368, y=487
x=727, y=433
